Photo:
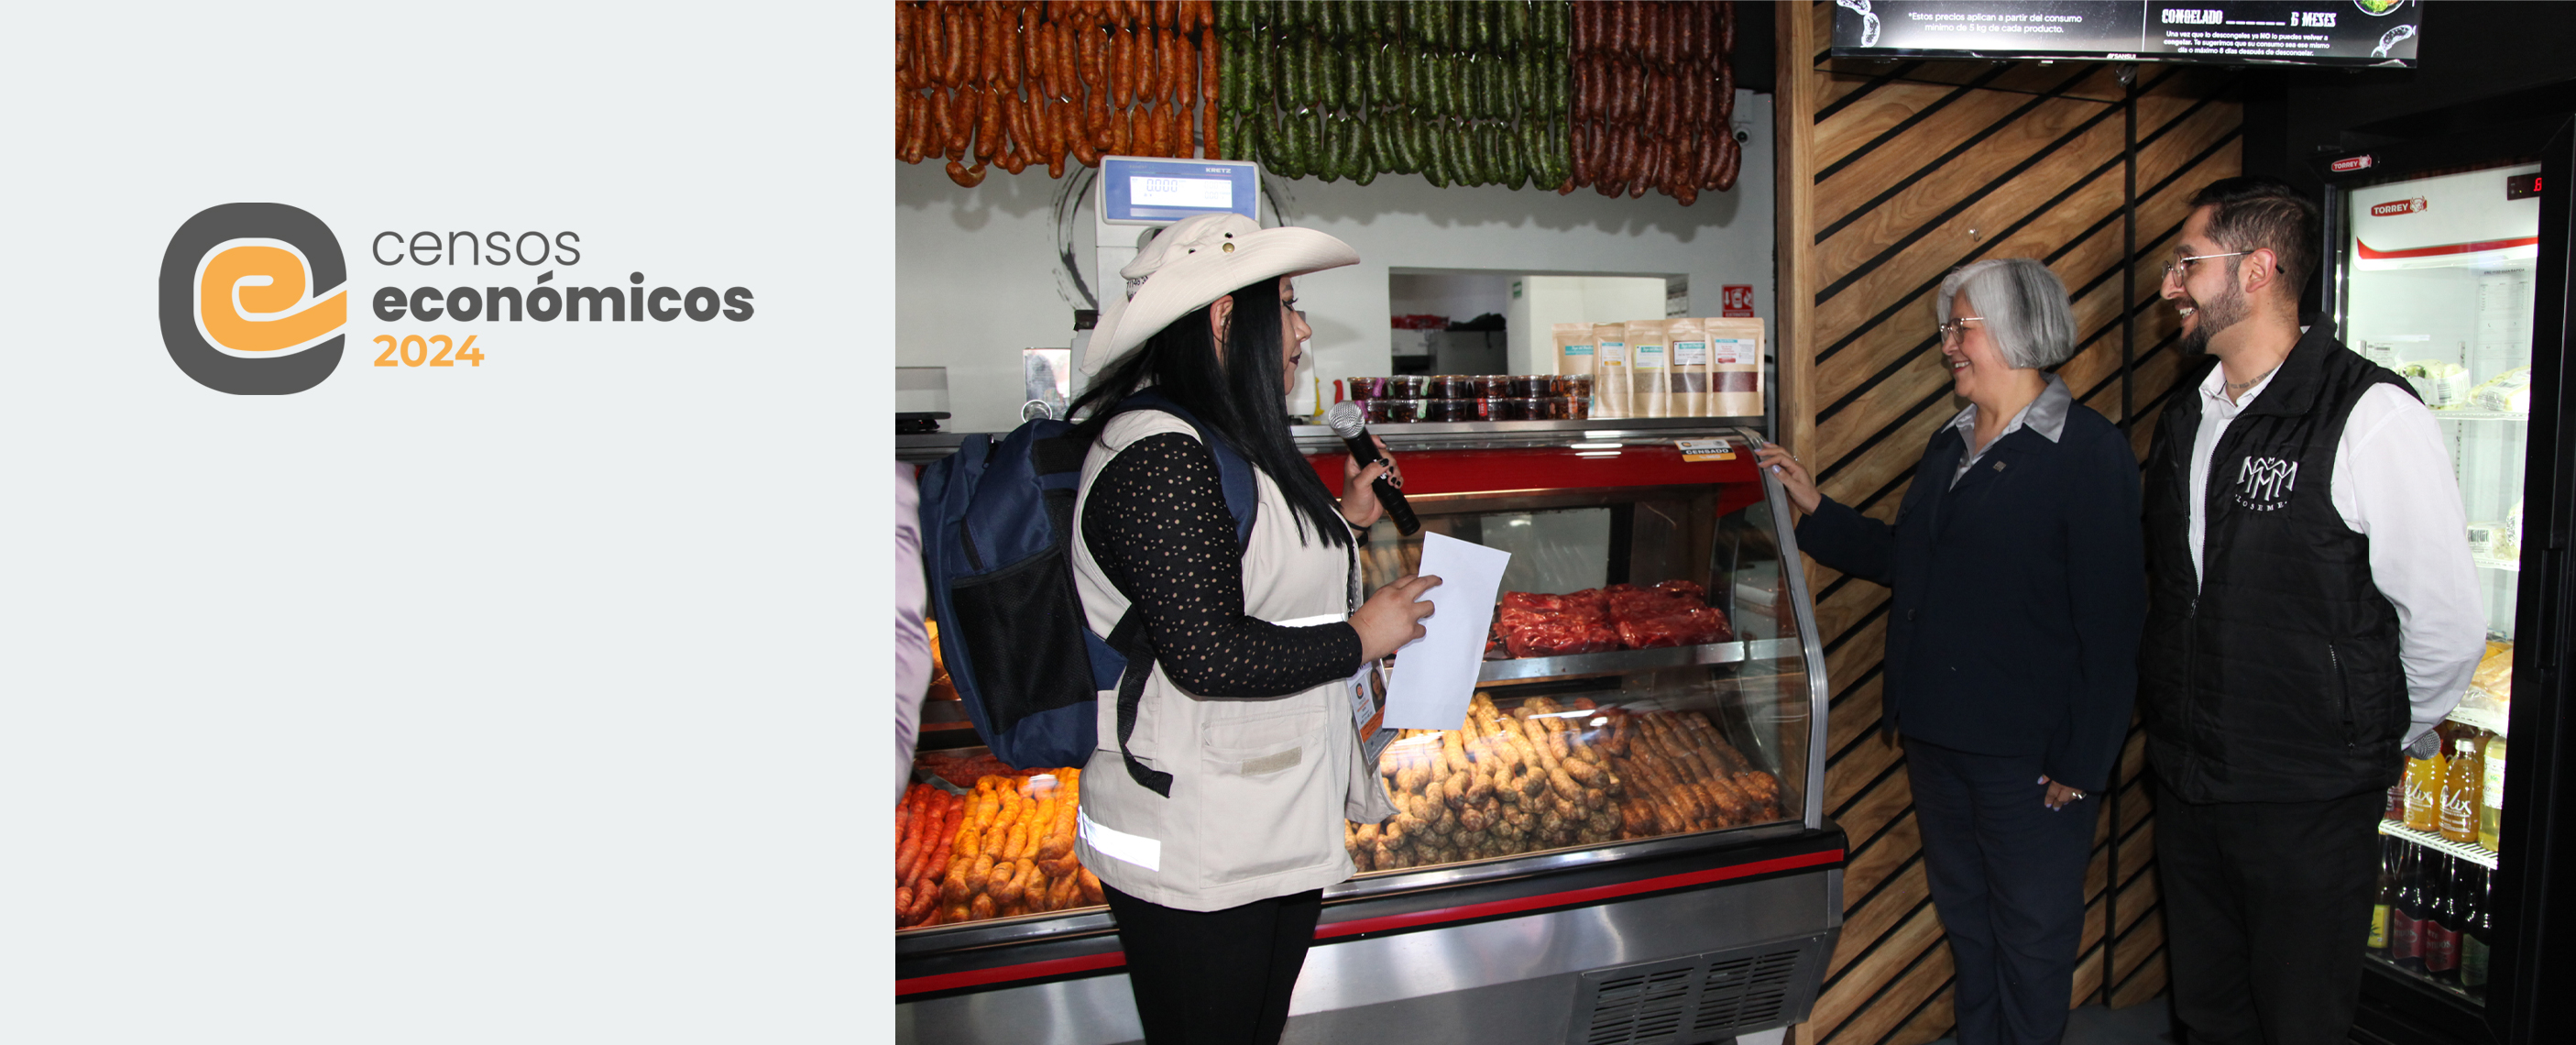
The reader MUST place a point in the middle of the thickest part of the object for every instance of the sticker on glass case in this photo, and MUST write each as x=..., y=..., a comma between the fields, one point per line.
x=1705, y=449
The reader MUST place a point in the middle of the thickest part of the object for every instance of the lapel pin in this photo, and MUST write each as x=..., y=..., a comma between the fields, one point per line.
x=1999, y=466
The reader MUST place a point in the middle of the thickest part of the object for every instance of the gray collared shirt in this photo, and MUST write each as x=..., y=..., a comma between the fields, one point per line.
x=2045, y=415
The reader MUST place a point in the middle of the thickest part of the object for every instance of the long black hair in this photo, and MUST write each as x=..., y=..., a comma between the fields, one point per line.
x=1236, y=394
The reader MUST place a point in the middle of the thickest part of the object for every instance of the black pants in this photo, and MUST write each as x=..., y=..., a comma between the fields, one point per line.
x=1215, y=977
x=2007, y=876
x=2267, y=907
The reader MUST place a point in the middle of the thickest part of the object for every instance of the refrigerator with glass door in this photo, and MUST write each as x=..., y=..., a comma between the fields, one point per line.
x=2447, y=260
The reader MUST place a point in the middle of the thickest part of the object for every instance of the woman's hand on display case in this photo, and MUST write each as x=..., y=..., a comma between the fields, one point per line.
x=1359, y=502
x=1794, y=479
x=1393, y=615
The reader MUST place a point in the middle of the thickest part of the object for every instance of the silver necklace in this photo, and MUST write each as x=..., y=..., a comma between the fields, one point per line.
x=2233, y=388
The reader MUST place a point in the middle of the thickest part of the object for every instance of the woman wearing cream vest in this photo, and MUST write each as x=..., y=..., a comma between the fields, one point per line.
x=1213, y=818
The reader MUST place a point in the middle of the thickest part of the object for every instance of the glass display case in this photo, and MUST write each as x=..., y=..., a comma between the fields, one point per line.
x=1644, y=676
x=1635, y=787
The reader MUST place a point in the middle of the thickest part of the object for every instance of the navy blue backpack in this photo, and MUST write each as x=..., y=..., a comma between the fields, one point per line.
x=996, y=544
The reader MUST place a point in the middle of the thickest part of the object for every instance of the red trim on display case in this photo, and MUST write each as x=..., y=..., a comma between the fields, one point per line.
x=1388, y=923
x=1001, y=973
x=1595, y=894
x=1550, y=468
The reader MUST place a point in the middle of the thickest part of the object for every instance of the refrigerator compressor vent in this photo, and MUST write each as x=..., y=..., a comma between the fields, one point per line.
x=1683, y=1000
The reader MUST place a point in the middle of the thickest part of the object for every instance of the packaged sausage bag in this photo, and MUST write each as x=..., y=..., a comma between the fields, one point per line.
x=1652, y=374
x=1610, y=371
x=1573, y=348
x=1690, y=366
x=1735, y=366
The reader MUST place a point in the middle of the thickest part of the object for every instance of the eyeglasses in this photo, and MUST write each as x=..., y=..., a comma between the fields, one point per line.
x=1957, y=327
x=2180, y=268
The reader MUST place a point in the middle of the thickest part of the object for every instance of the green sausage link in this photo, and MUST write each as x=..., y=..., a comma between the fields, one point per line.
x=1354, y=146
x=1279, y=144
x=1560, y=86
x=1328, y=144
x=1354, y=58
x=1381, y=90
x=1435, y=153
x=1271, y=62
x=1471, y=87
x=1328, y=76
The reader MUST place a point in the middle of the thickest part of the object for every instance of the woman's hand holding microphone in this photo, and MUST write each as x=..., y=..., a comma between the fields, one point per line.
x=1360, y=505
x=1393, y=615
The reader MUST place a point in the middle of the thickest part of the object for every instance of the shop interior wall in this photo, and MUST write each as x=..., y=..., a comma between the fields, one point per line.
x=980, y=273
x=1894, y=173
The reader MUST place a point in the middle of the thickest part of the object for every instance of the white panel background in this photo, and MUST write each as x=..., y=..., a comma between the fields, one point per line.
x=528, y=703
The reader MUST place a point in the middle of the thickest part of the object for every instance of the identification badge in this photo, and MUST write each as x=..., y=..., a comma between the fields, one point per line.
x=1705, y=449
x=1368, y=711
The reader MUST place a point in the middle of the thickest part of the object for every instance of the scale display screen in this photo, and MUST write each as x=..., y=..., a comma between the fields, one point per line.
x=1143, y=191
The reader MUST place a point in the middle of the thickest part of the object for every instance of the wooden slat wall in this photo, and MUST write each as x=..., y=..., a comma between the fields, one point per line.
x=1891, y=175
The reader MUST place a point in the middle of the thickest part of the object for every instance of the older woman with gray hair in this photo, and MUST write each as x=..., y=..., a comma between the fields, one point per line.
x=2016, y=577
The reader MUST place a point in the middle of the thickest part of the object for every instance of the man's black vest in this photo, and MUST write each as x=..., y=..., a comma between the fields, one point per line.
x=2275, y=678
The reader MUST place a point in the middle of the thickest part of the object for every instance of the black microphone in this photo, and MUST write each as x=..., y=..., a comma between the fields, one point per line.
x=1346, y=421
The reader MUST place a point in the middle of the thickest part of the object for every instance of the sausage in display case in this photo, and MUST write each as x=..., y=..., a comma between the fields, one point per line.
x=1633, y=790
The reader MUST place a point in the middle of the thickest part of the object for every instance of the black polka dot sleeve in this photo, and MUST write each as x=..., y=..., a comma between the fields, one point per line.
x=1156, y=521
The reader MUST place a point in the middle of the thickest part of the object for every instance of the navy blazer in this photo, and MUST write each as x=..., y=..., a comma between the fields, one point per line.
x=2018, y=596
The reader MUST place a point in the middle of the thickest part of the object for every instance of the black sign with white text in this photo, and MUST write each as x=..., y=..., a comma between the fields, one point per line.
x=2225, y=32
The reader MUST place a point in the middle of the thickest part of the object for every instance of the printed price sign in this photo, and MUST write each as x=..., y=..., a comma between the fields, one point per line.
x=1705, y=449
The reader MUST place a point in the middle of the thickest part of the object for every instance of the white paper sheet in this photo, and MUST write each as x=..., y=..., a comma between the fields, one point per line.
x=1435, y=675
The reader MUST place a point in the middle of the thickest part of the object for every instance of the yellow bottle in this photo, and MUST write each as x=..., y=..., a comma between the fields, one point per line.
x=2491, y=796
x=2424, y=792
x=2460, y=784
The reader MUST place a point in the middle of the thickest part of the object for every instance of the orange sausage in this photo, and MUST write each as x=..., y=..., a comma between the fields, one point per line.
x=960, y=32
x=1122, y=69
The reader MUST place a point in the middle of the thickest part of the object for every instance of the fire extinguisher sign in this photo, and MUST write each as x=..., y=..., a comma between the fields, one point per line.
x=1737, y=299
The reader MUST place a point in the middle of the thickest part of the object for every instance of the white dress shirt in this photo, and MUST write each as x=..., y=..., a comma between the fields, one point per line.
x=2392, y=483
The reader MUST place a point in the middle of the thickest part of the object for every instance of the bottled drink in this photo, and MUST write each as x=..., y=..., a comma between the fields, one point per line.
x=2461, y=782
x=2405, y=913
x=2396, y=811
x=2491, y=796
x=2477, y=923
x=2424, y=792
x=2440, y=924
x=2386, y=896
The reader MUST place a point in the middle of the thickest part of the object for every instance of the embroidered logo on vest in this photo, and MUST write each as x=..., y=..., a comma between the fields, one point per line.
x=2264, y=483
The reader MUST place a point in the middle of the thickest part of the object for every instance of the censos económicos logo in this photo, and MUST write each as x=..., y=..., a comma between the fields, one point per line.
x=252, y=300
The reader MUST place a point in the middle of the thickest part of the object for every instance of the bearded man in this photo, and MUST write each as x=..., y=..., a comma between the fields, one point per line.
x=2314, y=611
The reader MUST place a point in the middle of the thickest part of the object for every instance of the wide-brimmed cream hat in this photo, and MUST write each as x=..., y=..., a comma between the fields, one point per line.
x=1194, y=262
